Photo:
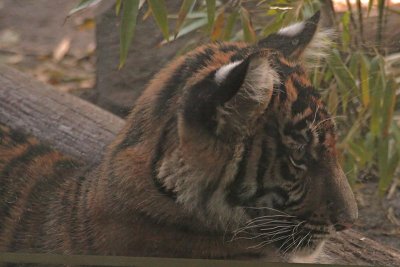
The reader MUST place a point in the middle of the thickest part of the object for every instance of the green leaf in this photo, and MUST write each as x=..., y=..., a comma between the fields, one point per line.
x=346, y=35
x=389, y=100
x=118, y=4
x=159, y=11
x=275, y=25
x=248, y=31
x=211, y=5
x=376, y=84
x=188, y=28
x=128, y=24
x=383, y=162
x=396, y=134
x=344, y=79
x=364, y=80
x=186, y=7
x=83, y=5
x=333, y=101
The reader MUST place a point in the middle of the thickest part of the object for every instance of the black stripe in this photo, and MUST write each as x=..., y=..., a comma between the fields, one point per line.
x=74, y=222
x=64, y=168
x=86, y=220
x=41, y=193
x=236, y=186
x=18, y=136
x=9, y=197
x=32, y=152
x=281, y=193
x=285, y=172
x=134, y=134
x=158, y=155
x=262, y=167
x=300, y=200
x=176, y=82
x=243, y=53
x=211, y=188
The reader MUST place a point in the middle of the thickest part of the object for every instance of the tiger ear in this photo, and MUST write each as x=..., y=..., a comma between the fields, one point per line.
x=232, y=97
x=293, y=40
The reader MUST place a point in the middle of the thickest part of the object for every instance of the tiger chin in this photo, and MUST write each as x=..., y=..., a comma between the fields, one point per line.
x=228, y=153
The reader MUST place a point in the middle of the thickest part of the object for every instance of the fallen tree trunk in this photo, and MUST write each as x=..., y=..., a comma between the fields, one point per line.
x=68, y=123
x=81, y=129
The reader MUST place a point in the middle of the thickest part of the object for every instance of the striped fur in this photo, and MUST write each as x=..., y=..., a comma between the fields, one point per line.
x=228, y=153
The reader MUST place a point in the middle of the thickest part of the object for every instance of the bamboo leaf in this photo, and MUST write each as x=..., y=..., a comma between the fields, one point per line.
x=376, y=84
x=248, y=31
x=186, y=7
x=394, y=163
x=118, y=4
x=196, y=24
x=128, y=23
x=333, y=101
x=344, y=79
x=83, y=5
x=383, y=162
x=346, y=36
x=389, y=101
x=364, y=81
x=211, y=6
x=275, y=25
x=159, y=10
x=396, y=135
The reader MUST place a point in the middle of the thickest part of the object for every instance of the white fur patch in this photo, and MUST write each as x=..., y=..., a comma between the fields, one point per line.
x=310, y=257
x=252, y=98
x=319, y=47
x=223, y=72
x=292, y=30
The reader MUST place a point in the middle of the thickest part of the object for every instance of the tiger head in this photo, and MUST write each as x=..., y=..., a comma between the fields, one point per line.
x=241, y=141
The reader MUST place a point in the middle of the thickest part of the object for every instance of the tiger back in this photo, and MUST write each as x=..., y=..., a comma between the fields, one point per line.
x=228, y=153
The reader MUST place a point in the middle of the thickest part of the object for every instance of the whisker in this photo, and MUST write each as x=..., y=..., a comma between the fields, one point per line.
x=268, y=208
x=274, y=222
x=264, y=220
x=267, y=242
x=261, y=235
x=295, y=249
x=291, y=245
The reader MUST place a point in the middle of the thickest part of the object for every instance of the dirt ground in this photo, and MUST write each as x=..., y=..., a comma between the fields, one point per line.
x=35, y=39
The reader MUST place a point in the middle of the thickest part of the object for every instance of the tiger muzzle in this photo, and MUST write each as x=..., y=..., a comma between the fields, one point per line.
x=341, y=203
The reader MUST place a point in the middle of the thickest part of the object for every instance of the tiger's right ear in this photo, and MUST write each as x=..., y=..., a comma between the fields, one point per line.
x=293, y=40
x=232, y=97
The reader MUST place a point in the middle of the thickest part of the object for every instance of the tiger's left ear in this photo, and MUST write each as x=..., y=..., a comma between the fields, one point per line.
x=293, y=40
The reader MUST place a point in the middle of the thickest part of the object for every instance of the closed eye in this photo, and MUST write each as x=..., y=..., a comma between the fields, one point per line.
x=297, y=165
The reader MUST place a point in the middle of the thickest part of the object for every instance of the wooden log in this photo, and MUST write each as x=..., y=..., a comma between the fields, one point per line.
x=81, y=129
x=70, y=124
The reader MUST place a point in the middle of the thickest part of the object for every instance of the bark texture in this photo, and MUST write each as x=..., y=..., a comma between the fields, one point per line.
x=68, y=123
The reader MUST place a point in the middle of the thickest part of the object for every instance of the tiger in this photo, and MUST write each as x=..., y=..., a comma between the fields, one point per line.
x=229, y=153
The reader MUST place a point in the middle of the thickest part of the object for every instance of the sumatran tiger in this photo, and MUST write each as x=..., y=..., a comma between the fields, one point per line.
x=229, y=153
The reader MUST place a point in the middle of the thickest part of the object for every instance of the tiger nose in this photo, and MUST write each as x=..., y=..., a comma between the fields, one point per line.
x=342, y=226
x=343, y=219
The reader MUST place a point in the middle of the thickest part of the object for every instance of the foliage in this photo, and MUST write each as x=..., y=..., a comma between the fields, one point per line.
x=357, y=89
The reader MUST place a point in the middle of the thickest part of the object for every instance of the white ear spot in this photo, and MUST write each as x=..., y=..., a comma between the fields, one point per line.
x=292, y=30
x=223, y=72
